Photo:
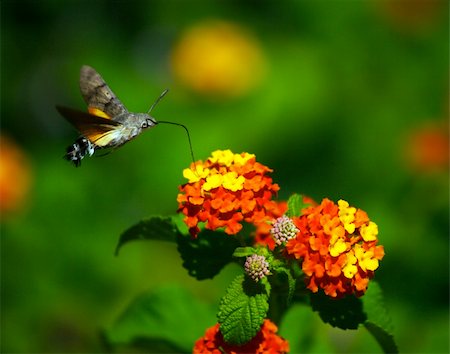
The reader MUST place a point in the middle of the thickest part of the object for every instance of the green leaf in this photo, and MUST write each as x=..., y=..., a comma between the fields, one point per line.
x=244, y=251
x=161, y=321
x=155, y=228
x=345, y=313
x=378, y=321
x=206, y=255
x=295, y=205
x=243, y=310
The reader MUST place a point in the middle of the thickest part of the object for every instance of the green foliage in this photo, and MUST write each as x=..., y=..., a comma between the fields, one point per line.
x=206, y=255
x=154, y=228
x=246, y=303
x=243, y=310
x=161, y=321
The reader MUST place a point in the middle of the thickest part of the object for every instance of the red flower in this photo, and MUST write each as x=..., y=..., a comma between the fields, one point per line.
x=225, y=190
x=337, y=245
x=266, y=341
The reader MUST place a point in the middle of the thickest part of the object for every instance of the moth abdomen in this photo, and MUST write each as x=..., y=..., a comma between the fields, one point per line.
x=78, y=150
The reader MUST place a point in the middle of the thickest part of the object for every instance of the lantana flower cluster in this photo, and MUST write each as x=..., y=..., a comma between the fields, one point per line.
x=265, y=342
x=226, y=190
x=337, y=245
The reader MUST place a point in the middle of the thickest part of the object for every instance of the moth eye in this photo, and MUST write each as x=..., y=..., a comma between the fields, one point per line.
x=144, y=124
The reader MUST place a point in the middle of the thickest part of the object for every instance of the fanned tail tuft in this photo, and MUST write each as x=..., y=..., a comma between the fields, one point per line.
x=78, y=150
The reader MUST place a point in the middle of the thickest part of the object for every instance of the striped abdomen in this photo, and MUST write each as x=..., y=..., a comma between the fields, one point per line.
x=78, y=150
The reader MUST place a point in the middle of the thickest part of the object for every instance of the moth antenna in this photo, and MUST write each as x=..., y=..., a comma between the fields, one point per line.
x=157, y=100
x=189, y=139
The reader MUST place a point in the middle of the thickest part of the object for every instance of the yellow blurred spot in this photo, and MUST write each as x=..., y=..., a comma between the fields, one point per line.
x=218, y=58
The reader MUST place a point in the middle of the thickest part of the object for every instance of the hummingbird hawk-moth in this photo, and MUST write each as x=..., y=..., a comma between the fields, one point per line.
x=107, y=124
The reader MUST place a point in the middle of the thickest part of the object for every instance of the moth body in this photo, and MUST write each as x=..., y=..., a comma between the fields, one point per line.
x=107, y=124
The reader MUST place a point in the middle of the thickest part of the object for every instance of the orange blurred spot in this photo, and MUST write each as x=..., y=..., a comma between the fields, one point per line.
x=411, y=15
x=428, y=148
x=15, y=176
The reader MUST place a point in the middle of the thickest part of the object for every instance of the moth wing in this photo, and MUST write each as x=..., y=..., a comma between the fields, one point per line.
x=100, y=131
x=97, y=94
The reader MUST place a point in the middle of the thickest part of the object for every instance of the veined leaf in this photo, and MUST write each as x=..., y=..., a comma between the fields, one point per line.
x=243, y=310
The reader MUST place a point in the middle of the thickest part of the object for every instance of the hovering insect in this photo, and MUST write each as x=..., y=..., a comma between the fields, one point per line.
x=107, y=124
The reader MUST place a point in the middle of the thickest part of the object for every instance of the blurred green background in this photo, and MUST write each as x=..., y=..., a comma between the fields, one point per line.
x=343, y=99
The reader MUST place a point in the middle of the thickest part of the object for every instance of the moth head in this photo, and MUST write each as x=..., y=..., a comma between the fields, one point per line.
x=148, y=122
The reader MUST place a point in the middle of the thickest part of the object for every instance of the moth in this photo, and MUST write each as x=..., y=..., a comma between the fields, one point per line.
x=107, y=124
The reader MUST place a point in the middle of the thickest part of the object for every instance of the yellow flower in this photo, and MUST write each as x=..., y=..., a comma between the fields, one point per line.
x=242, y=159
x=369, y=232
x=350, y=267
x=337, y=245
x=222, y=157
x=232, y=182
x=347, y=216
x=212, y=182
x=195, y=176
x=366, y=259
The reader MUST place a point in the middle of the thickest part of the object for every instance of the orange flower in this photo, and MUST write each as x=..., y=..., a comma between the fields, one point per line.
x=225, y=190
x=266, y=341
x=337, y=245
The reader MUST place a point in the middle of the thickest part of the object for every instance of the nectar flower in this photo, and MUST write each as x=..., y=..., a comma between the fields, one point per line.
x=266, y=341
x=226, y=190
x=256, y=267
x=283, y=229
x=337, y=245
